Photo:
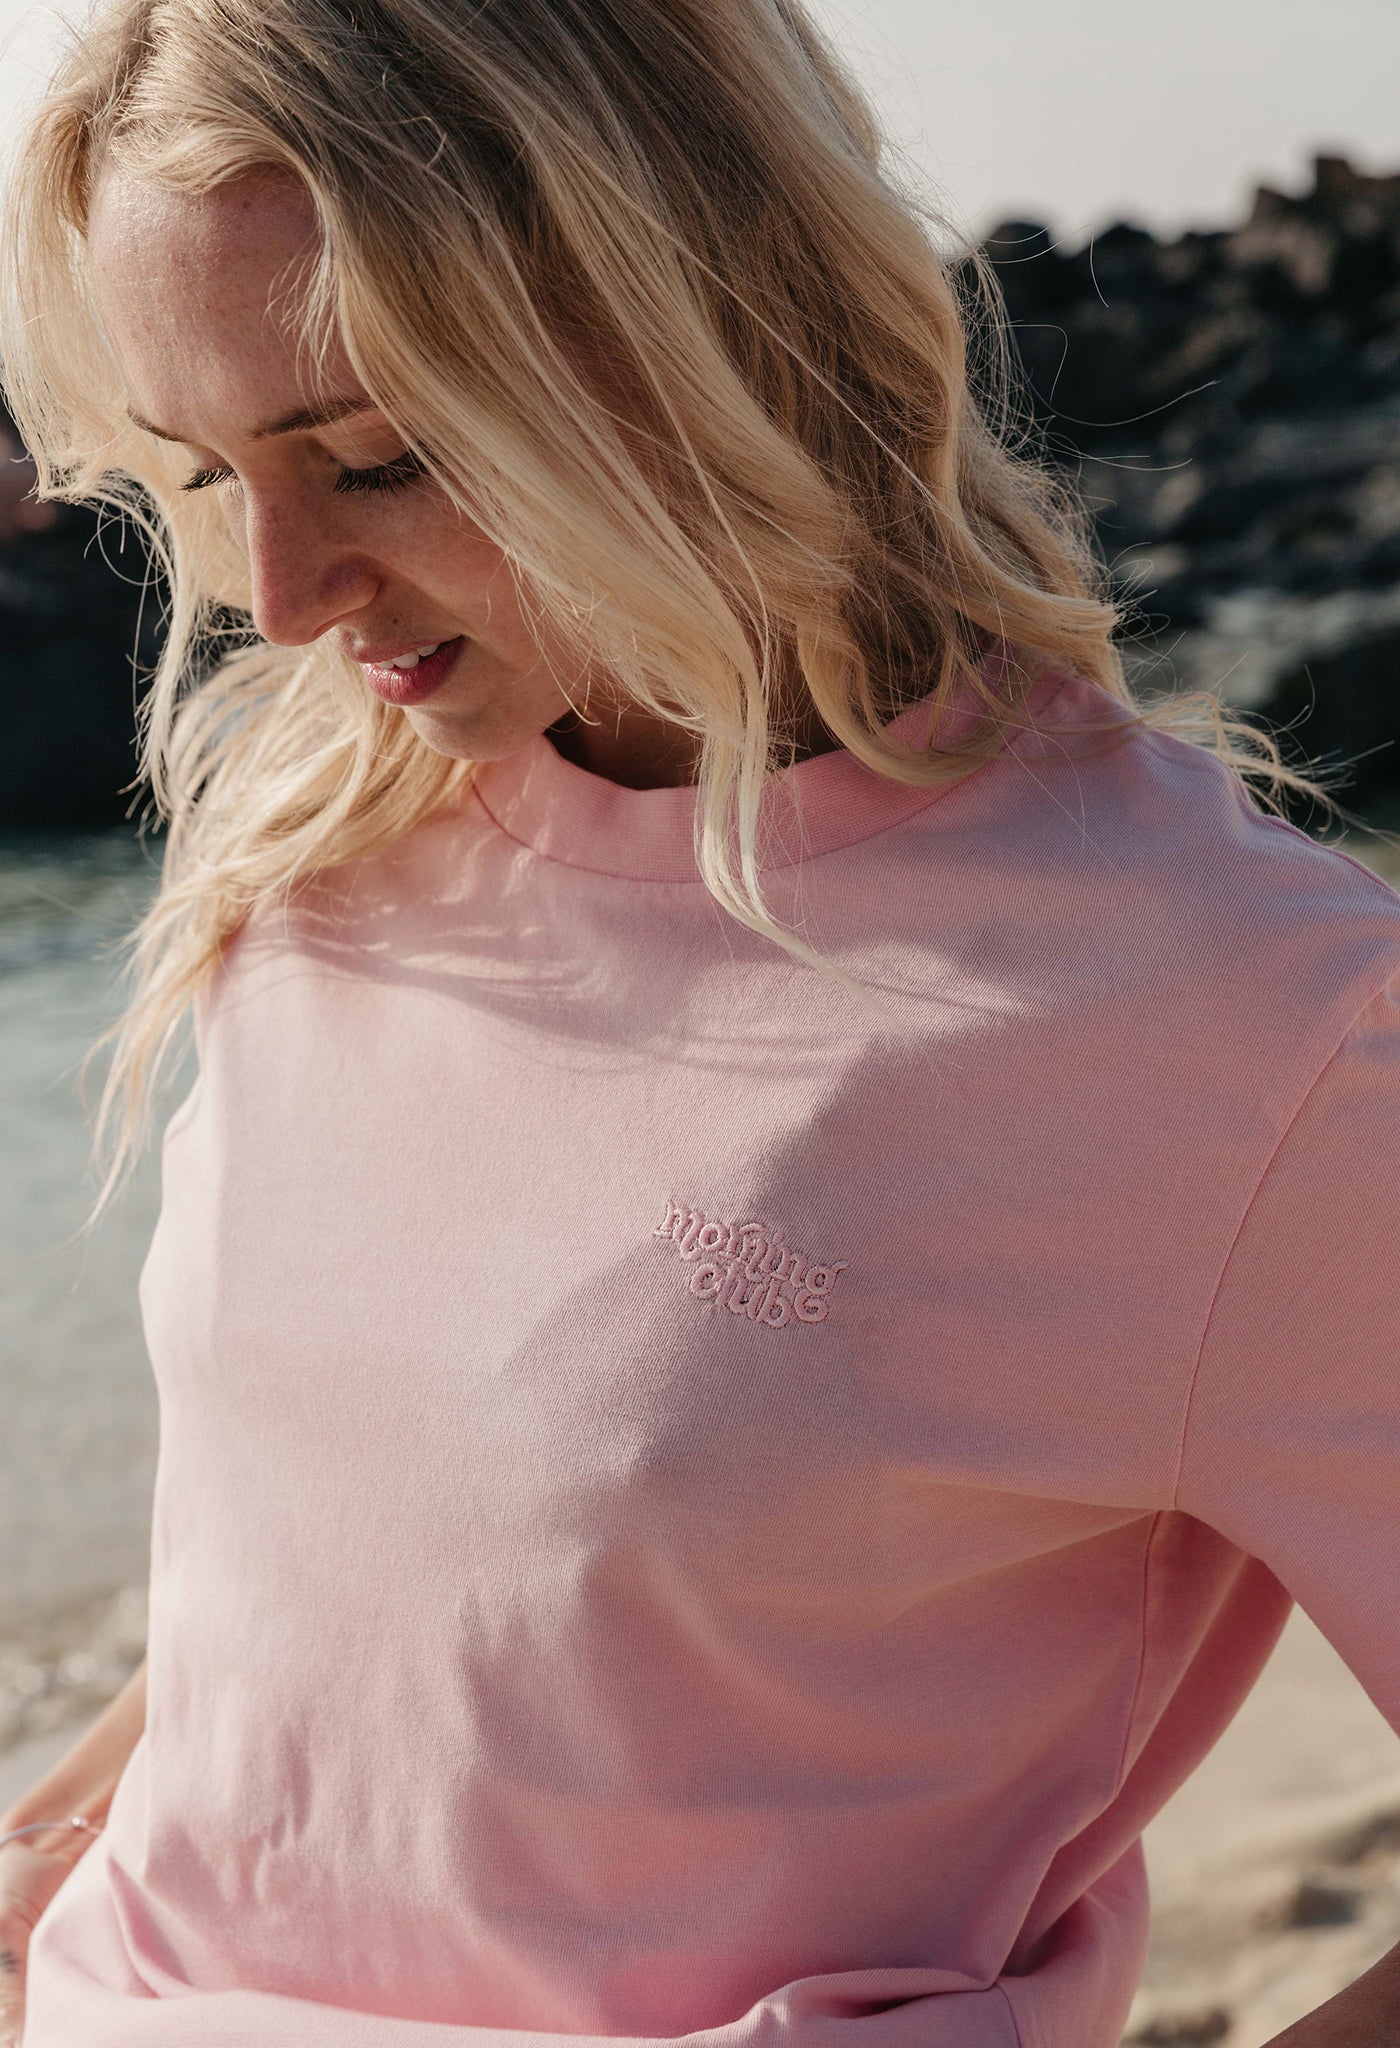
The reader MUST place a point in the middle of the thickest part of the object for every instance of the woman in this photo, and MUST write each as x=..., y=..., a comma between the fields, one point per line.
x=779, y=1264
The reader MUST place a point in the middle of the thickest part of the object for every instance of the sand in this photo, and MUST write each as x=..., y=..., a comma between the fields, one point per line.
x=1276, y=1869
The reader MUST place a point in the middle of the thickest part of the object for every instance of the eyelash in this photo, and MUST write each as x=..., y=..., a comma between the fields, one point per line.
x=383, y=476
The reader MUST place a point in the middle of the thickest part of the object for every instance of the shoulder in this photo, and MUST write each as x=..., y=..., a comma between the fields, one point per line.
x=1162, y=838
x=1134, y=907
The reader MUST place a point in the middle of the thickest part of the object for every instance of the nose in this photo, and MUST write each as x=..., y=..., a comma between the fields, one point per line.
x=304, y=578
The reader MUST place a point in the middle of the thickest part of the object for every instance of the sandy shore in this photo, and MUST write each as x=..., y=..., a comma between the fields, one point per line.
x=1276, y=1869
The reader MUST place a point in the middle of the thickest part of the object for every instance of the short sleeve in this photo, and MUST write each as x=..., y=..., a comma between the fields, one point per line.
x=1291, y=1445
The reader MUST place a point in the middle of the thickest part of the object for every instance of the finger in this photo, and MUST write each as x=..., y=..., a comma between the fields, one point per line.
x=11, y=1997
x=28, y=1881
x=14, y=1945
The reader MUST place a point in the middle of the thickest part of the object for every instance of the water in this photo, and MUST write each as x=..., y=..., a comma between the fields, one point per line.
x=78, y=1434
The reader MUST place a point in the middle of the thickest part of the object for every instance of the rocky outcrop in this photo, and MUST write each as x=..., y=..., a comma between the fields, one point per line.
x=1229, y=402
x=75, y=617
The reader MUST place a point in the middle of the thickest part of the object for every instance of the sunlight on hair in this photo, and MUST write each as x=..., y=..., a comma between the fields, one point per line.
x=642, y=286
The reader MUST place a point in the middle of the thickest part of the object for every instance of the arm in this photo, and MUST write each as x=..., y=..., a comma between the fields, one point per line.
x=32, y=1870
x=1291, y=1446
x=1365, y=2015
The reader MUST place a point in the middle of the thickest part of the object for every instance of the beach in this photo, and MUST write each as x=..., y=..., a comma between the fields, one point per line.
x=77, y=1454
x=1275, y=1871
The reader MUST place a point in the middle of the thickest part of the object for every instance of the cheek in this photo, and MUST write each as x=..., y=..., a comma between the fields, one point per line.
x=458, y=562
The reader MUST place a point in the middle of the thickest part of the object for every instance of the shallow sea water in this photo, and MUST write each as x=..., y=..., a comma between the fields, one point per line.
x=78, y=1438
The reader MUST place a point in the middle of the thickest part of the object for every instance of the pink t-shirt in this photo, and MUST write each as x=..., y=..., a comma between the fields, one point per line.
x=693, y=1505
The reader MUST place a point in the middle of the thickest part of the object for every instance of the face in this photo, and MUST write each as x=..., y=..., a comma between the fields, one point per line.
x=343, y=537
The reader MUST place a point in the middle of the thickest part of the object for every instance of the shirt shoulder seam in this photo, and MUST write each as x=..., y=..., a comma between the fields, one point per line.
x=1015, y=2023
x=1305, y=1096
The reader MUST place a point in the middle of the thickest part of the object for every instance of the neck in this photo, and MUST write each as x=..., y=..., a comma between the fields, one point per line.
x=626, y=745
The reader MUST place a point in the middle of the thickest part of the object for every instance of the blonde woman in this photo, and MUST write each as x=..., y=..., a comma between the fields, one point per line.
x=781, y=1260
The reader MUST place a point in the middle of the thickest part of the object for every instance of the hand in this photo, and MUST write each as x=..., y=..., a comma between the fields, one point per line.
x=29, y=1877
x=33, y=1868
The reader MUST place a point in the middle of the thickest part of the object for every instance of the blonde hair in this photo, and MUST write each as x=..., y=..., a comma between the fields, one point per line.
x=692, y=193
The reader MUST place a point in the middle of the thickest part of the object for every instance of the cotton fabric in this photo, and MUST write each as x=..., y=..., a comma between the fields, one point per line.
x=695, y=1505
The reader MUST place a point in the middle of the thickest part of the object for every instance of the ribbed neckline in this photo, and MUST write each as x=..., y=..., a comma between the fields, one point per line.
x=571, y=815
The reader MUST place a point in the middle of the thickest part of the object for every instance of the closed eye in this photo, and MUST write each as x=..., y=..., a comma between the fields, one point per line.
x=384, y=476
x=202, y=479
x=380, y=476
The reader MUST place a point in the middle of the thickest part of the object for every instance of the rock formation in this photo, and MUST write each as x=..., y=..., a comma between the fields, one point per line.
x=76, y=617
x=1230, y=404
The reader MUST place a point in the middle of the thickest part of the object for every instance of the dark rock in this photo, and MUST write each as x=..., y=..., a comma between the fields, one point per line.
x=1200, y=2027
x=1377, y=1837
x=1316, y=1903
x=1343, y=710
x=71, y=634
x=78, y=614
x=1230, y=402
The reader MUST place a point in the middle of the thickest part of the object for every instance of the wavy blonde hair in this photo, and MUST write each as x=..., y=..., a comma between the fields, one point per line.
x=691, y=195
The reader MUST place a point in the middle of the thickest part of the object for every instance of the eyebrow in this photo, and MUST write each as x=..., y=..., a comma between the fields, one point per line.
x=297, y=422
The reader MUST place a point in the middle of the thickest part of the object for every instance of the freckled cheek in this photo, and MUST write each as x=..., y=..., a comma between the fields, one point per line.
x=289, y=524
x=458, y=563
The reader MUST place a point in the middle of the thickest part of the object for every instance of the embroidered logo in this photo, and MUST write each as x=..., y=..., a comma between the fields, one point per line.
x=750, y=1269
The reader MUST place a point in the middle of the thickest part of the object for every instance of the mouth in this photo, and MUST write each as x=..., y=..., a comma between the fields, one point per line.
x=414, y=675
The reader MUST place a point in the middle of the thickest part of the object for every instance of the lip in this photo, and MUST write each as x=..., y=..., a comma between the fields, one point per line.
x=413, y=685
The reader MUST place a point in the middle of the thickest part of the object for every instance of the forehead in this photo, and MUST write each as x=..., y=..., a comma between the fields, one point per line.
x=234, y=240
x=194, y=292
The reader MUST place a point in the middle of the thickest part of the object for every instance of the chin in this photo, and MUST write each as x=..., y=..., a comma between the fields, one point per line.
x=474, y=736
